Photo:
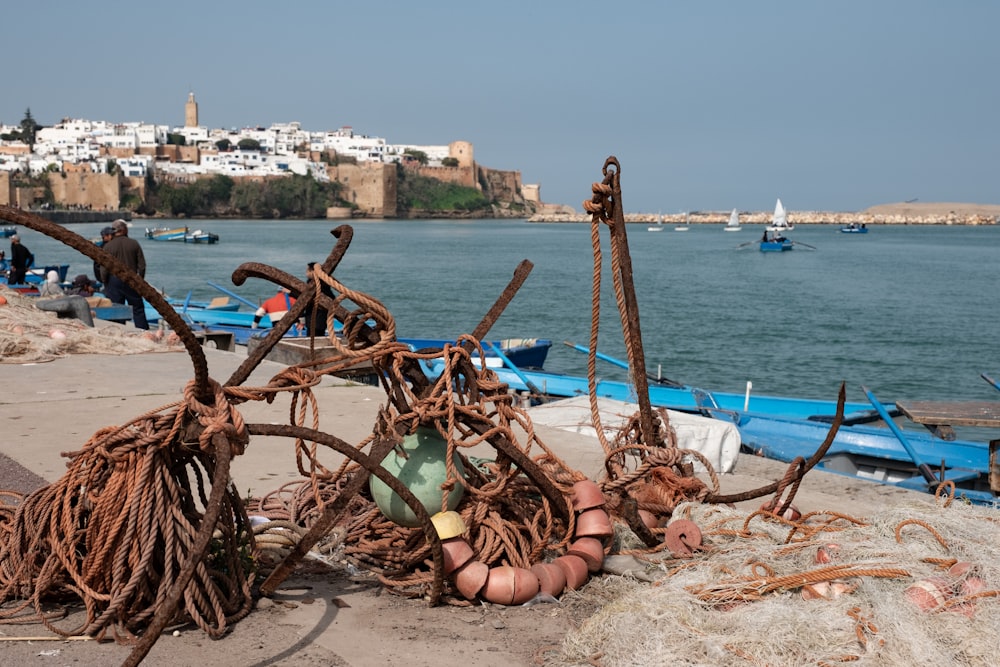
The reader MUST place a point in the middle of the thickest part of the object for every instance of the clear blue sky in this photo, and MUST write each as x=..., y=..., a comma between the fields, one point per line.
x=709, y=105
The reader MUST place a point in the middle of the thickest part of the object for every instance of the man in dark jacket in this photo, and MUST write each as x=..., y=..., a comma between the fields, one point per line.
x=21, y=260
x=314, y=310
x=128, y=252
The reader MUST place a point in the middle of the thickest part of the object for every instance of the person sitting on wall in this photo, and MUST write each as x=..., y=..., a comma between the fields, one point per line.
x=82, y=285
x=51, y=286
x=275, y=307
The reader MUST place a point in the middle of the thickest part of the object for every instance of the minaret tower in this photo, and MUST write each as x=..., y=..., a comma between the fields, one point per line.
x=191, y=112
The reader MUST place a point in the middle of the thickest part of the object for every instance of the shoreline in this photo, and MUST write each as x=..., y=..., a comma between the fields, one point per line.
x=907, y=213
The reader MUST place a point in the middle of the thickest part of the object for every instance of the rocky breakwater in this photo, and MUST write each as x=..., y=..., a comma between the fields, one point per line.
x=886, y=214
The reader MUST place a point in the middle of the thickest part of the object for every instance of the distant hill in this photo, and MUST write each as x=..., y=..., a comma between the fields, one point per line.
x=927, y=209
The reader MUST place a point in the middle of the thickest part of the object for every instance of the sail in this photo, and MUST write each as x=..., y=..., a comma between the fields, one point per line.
x=779, y=220
x=734, y=219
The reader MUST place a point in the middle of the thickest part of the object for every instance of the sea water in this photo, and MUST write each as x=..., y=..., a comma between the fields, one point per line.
x=911, y=312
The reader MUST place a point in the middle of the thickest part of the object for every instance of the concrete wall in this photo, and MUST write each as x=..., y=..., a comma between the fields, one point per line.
x=81, y=188
x=371, y=186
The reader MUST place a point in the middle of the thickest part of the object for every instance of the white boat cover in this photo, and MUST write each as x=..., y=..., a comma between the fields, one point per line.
x=717, y=441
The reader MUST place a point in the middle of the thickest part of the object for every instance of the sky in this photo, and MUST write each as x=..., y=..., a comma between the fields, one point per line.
x=709, y=105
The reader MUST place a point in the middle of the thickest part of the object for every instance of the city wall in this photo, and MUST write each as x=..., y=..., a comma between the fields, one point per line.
x=371, y=186
x=6, y=189
x=464, y=176
x=82, y=189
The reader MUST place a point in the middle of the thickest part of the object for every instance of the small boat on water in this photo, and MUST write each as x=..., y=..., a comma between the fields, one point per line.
x=7, y=232
x=734, y=222
x=775, y=242
x=166, y=234
x=658, y=227
x=684, y=227
x=779, y=221
x=182, y=234
x=526, y=353
x=199, y=236
x=37, y=274
x=854, y=228
x=219, y=303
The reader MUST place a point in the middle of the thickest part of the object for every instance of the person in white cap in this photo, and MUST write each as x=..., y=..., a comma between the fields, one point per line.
x=51, y=286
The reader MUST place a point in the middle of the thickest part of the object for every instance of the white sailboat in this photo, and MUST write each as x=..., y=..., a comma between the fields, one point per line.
x=734, y=222
x=684, y=227
x=658, y=227
x=779, y=223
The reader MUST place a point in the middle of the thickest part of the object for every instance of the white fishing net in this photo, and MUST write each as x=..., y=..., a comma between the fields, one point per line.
x=741, y=600
x=28, y=334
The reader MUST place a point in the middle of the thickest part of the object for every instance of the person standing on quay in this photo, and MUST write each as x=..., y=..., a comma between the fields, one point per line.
x=316, y=314
x=21, y=260
x=128, y=252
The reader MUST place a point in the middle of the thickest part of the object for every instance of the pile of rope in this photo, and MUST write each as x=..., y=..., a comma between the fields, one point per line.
x=912, y=584
x=509, y=519
x=30, y=335
x=114, y=532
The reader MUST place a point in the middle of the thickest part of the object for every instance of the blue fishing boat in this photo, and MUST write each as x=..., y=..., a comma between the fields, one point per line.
x=677, y=396
x=776, y=243
x=7, y=232
x=221, y=303
x=200, y=236
x=910, y=459
x=524, y=353
x=166, y=233
x=854, y=228
x=181, y=234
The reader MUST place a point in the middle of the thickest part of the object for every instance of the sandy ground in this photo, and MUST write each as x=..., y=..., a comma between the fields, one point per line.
x=325, y=614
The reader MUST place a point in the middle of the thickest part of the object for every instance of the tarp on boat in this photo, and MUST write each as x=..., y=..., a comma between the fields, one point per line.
x=717, y=441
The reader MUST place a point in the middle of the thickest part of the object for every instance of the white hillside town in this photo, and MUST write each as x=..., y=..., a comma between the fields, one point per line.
x=284, y=148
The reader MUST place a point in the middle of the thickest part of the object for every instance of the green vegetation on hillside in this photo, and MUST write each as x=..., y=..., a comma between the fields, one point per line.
x=292, y=196
x=421, y=192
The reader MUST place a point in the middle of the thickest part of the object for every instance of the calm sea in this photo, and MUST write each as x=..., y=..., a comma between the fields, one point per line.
x=910, y=312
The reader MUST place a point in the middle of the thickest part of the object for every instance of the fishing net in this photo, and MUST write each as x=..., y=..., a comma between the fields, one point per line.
x=911, y=584
x=30, y=335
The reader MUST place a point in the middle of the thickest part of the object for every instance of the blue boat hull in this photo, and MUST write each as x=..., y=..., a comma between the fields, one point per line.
x=775, y=246
x=685, y=398
x=524, y=353
x=871, y=453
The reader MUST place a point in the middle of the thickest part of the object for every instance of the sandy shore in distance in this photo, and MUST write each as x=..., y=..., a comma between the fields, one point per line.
x=933, y=208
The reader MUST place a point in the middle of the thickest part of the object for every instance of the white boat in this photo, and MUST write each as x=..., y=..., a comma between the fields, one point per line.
x=658, y=227
x=734, y=222
x=779, y=223
x=684, y=227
